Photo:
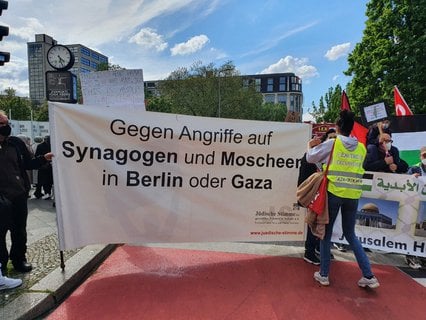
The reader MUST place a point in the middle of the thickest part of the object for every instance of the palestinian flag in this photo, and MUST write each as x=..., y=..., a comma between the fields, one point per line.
x=409, y=135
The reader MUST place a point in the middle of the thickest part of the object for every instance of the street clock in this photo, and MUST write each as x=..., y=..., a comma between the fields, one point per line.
x=60, y=57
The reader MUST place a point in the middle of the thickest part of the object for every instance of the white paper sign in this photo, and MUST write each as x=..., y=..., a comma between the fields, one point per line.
x=113, y=88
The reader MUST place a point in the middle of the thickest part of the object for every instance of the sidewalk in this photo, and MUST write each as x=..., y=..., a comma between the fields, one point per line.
x=48, y=285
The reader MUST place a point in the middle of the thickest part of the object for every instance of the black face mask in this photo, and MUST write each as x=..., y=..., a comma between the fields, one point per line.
x=5, y=130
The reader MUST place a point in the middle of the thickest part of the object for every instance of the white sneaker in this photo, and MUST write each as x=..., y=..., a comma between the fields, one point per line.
x=322, y=280
x=46, y=196
x=9, y=283
x=413, y=262
x=371, y=283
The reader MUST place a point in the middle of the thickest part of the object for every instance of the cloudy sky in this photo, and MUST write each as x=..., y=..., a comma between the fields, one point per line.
x=310, y=38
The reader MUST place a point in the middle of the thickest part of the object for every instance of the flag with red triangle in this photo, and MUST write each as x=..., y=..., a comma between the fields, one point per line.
x=358, y=131
x=401, y=107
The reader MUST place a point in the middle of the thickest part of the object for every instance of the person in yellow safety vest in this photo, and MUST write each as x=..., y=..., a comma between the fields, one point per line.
x=344, y=190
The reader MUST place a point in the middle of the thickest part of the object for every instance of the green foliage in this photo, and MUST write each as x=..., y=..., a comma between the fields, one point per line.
x=391, y=52
x=41, y=113
x=17, y=107
x=272, y=112
x=204, y=90
x=329, y=106
x=108, y=66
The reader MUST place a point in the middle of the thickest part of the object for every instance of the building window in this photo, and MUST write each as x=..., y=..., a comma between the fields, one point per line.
x=257, y=84
x=270, y=85
x=282, y=98
x=269, y=98
x=283, y=84
x=85, y=51
x=95, y=56
x=94, y=65
x=85, y=61
x=296, y=84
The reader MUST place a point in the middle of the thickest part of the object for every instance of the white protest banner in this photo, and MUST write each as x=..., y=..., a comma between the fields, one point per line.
x=130, y=176
x=113, y=88
x=391, y=214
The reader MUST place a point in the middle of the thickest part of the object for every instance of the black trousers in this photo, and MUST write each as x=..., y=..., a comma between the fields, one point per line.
x=18, y=232
x=311, y=242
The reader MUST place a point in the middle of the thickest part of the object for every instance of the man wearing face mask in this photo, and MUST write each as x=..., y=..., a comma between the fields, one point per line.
x=15, y=159
x=384, y=157
x=420, y=168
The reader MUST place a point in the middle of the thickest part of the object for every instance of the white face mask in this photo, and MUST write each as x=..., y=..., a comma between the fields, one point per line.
x=424, y=162
x=388, y=146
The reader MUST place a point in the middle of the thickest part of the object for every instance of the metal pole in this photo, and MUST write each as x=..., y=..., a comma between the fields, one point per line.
x=219, y=97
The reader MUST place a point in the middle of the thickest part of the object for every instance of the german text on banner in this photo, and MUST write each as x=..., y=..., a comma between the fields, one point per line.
x=123, y=175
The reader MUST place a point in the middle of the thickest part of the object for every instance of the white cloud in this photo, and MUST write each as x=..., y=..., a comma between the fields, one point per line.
x=31, y=26
x=338, y=51
x=308, y=117
x=336, y=77
x=149, y=38
x=14, y=75
x=192, y=45
x=298, y=66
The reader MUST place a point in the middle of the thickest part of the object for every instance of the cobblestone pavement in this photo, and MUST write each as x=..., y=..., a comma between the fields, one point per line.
x=42, y=250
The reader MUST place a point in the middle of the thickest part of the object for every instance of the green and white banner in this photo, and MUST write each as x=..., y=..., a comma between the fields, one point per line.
x=391, y=214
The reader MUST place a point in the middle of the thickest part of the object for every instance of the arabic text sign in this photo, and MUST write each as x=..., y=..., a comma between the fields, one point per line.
x=128, y=176
x=391, y=214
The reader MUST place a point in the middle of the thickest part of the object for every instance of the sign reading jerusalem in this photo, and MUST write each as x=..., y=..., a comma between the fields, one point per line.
x=123, y=175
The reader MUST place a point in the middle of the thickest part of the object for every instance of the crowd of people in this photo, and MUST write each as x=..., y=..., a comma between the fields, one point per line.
x=16, y=160
x=379, y=155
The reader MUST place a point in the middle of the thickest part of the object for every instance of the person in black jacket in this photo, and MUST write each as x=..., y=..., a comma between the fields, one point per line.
x=306, y=169
x=15, y=159
x=384, y=157
x=44, y=174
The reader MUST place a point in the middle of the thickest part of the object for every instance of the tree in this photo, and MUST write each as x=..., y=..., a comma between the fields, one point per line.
x=19, y=108
x=391, y=52
x=328, y=111
x=204, y=90
x=103, y=66
x=271, y=112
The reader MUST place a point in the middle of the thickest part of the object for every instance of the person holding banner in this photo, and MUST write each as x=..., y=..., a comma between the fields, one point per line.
x=15, y=159
x=312, y=243
x=384, y=157
x=418, y=170
x=344, y=190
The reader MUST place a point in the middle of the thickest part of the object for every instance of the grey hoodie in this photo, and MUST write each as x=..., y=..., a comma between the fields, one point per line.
x=321, y=152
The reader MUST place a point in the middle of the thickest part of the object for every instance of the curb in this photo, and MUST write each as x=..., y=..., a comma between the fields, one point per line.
x=50, y=291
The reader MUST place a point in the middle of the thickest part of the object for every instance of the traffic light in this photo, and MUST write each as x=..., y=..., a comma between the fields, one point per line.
x=4, y=31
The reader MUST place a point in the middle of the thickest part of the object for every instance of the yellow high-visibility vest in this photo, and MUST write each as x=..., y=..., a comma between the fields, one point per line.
x=345, y=171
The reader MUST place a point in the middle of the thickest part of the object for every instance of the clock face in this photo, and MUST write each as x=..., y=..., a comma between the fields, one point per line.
x=60, y=57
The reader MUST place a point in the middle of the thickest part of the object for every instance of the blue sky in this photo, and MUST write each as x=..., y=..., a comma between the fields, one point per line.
x=307, y=37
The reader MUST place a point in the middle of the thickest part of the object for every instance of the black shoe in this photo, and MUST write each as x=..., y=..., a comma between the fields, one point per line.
x=23, y=266
x=311, y=258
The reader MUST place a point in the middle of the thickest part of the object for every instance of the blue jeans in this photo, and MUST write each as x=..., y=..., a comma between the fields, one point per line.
x=348, y=209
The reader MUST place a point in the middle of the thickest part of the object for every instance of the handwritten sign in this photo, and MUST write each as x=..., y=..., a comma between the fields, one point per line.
x=375, y=112
x=114, y=88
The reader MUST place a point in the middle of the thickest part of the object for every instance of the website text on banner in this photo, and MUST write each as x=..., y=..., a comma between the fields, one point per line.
x=391, y=214
x=130, y=176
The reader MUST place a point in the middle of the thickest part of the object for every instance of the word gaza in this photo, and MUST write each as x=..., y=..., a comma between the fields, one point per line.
x=239, y=182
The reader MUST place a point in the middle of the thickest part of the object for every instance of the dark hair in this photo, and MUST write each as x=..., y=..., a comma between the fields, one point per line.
x=325, y=136
x=345, y=122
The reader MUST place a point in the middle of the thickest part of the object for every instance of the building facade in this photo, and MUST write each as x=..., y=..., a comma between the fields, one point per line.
x=86, y=60
x=282, y=88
